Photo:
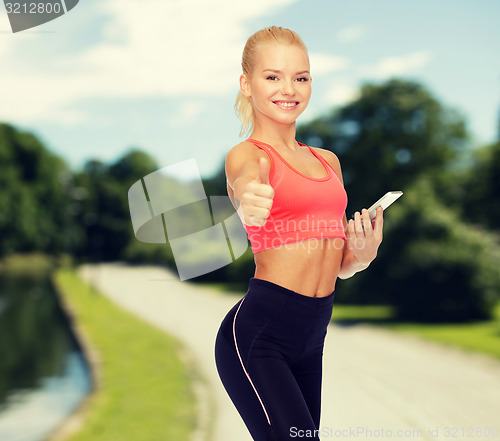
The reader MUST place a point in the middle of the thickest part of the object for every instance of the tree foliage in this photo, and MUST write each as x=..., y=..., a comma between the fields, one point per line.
x=480, y=194
x=35, y=202
x=104, y=211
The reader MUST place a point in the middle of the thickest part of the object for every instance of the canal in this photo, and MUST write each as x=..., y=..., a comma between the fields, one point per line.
x=43, y=374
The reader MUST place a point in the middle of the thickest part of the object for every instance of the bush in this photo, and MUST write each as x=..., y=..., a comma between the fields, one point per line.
x=140, y=252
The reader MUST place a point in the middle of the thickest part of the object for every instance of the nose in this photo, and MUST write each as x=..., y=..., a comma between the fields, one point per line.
x=287, y=87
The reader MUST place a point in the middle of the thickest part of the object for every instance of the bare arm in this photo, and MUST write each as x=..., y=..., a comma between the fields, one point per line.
x=247, y=174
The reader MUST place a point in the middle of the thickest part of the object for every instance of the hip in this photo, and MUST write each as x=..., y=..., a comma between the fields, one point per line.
x=279, y=317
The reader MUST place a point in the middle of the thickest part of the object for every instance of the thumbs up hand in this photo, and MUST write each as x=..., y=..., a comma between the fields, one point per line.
x=257, y=197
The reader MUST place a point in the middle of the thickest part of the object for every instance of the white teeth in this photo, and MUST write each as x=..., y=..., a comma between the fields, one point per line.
x=283, y=104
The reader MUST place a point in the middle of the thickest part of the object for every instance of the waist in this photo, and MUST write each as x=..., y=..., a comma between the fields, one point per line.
x=309, y=267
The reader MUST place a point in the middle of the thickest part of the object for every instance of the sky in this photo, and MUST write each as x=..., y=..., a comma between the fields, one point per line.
x=162, y=75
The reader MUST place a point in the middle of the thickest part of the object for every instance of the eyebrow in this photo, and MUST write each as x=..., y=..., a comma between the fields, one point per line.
x=279, y=71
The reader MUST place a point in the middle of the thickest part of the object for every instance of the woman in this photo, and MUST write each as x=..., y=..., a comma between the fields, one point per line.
x=291, y=200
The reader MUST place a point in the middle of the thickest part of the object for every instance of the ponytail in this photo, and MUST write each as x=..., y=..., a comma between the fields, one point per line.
x=245, y=112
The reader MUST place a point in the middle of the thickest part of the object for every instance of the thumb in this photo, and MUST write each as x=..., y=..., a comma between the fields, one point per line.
x=264, y=169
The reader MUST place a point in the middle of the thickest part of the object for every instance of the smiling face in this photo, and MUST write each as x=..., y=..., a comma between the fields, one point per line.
x=280, y=85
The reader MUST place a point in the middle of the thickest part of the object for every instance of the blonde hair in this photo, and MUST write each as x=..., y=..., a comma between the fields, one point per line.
x=270, y=35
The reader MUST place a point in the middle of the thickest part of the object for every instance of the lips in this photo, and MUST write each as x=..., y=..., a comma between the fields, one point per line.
x=287, y=105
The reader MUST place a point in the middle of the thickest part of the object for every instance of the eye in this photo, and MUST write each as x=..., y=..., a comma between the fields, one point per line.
x=272, y=78
x=302, y=79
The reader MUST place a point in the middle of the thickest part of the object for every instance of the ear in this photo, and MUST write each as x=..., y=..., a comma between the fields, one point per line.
x=245, y=86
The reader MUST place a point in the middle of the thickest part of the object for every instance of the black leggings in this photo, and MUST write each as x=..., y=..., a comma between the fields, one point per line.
x=268, y=352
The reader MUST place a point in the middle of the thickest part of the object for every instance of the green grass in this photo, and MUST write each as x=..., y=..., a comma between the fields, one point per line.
x=479, y=336
x=27, y=264
x=356, y=313
x=145, y=392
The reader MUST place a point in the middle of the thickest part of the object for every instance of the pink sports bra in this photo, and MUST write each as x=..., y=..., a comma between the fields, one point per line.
x=303, y=207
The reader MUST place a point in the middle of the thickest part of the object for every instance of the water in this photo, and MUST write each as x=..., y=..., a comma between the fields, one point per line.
x=43, y=375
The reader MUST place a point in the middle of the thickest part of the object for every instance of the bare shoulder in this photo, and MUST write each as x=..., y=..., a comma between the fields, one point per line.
x=243, y=151
x=243, y=160
x=329, y=157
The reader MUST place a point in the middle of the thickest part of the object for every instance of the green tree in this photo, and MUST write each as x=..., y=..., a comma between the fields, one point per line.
x=104, y=210
x=480, y=196
x=36, y=197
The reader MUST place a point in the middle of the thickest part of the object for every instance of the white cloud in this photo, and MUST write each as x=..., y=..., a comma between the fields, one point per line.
x=322, y=64
x=351, y=33
x=340, y=94
x=390, y=66
x=152, y=48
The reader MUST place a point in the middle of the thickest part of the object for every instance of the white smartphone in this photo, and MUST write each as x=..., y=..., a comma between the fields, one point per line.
x=384, y=202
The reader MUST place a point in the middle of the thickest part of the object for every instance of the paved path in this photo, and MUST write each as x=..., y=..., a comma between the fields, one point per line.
x=376, y=383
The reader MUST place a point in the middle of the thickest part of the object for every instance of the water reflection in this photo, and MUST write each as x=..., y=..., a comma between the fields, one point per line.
x=43, y=375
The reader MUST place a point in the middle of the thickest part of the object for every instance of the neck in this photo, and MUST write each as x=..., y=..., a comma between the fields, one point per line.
x=277, y=135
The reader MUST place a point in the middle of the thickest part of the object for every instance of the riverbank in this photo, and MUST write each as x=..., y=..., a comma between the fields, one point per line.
x=143, y=377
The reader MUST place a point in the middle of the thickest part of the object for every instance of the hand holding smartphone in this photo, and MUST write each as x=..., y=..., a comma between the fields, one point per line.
x=384, y=202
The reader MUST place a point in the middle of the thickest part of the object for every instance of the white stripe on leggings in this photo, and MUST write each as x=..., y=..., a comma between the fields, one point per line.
x=242, y=365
